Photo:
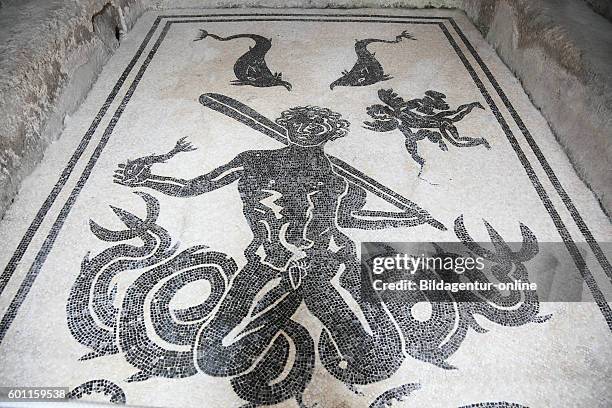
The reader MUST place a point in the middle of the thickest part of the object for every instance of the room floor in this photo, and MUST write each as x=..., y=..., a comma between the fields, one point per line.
x=193, y=238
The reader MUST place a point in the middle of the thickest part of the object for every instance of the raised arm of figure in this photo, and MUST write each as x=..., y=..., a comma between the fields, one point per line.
x=137, y=173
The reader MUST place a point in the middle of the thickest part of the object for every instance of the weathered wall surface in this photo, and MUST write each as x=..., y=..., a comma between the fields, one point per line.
x=163, y=4
x=561, y=51
x=51, y=51
x=603, y=7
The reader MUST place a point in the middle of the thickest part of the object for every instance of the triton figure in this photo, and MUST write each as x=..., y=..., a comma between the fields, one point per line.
x=297, y=201
x=295, y=204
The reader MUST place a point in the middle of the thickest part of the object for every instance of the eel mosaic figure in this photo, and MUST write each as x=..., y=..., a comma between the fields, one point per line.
x=297, y=206
x=251, y=68
x=367, y=70
x=422, y=115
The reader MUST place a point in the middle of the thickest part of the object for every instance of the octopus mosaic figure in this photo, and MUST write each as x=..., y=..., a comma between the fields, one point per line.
x=367, y=69
x=298, y=206
x=251, y=68
x=430, y=116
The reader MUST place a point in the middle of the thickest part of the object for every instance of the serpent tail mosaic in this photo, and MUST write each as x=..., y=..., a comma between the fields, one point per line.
x=112, y=392
x=295, y=204
x=201, y=236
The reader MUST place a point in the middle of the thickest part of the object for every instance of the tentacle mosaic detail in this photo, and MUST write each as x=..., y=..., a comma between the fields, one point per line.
x=145, y=353
x=251, y=68
x=297, y=205
x=255, y=385
x=430, y=116
x=114, y=393
x=367, y=70
x=92, y=319
x=435, y=339
x=193, y=333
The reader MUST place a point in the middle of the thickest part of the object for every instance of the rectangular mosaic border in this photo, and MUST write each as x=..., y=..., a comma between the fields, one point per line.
x=49, y=241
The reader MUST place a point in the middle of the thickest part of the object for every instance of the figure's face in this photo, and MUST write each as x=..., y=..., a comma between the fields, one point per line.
x=309, y=130
x=310, y=126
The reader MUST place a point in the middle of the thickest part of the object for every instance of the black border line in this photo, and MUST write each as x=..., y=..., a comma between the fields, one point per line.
x=233, y=20
x=49, y=241
x=586, y=232
x=531, y=174
x=303, y=15
x=26, y=240
x=72, y=162
x=41, y=257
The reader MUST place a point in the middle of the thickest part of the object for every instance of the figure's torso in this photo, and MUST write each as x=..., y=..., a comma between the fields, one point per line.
x=290, y=198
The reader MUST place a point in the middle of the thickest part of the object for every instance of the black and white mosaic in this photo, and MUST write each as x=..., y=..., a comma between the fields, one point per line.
x=240, y=282
x=345, y=348
x=397, y=394
x=296, y=205
x=422, y=115
x=110, y=391
x=251, y=68
x=367, y=69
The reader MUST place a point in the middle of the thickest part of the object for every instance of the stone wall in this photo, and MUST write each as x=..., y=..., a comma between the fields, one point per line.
x=53, y=50
x=561, y=52
x=51, y=53
x=603, y=7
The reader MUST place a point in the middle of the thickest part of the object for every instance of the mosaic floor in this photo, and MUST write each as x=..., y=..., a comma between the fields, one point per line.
x=193, y=238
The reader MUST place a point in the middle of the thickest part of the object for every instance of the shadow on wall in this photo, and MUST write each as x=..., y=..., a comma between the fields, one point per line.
x=603, y=7
x=106, y=24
